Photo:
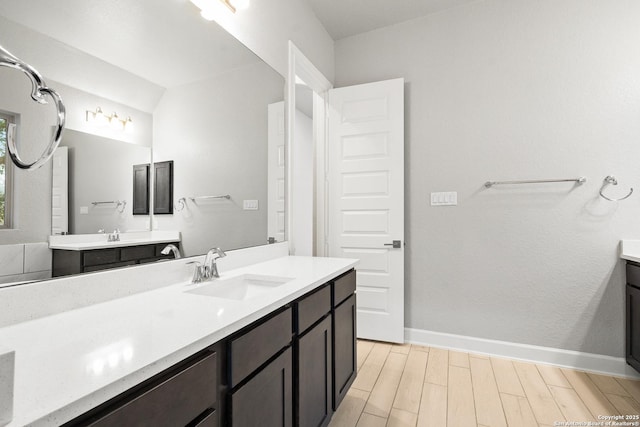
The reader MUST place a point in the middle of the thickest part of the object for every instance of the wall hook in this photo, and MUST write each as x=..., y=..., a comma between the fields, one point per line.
x=613, y=181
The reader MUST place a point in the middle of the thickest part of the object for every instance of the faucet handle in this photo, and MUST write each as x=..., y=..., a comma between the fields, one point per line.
x=198, y=272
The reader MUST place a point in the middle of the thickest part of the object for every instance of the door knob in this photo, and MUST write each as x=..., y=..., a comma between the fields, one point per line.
x=397, y=244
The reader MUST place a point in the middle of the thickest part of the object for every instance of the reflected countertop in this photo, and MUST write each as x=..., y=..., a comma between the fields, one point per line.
x=84, y=242
x=630, y=250
x=70, y=362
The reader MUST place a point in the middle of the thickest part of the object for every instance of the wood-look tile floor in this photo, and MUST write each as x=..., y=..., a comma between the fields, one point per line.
x=408, y=385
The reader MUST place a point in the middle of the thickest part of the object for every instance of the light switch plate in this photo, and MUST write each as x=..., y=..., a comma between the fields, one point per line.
x=449, y=198
x=84, y=210
x=250, y=205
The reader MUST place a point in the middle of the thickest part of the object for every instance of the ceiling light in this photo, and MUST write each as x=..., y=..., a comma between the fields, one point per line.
x=209, y=8
x=98, y=118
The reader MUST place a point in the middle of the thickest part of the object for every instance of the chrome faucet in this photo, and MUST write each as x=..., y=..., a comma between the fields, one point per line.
x=209, y=270
x=115, y=236
x=172, y=248
x=210, y=266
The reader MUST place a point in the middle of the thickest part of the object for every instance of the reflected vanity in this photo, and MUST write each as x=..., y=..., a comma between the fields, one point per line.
x=217, y=145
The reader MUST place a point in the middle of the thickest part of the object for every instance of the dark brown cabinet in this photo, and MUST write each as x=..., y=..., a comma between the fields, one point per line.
x=344, y=337
x=186, y=394
x=163, y=188
x=313, y=361
x=141, y=189
x=633, y=316
x=289, y=368
x=66, y=262
x=314, y=384
x=266, y=399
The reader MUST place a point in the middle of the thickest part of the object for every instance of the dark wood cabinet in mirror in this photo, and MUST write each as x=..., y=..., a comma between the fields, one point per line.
x=199, y=98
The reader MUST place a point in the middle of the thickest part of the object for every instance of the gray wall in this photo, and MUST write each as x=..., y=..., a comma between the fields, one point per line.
x=514, y=90
x=215, y=131
x=101, y=169
x=32, y=189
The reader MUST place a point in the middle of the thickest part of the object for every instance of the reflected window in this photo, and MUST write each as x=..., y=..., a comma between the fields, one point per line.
x=5, y=172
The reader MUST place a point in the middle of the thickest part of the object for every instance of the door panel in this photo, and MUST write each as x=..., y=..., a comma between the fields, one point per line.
x=366, y=199
x=276, y=168
x=60, y=191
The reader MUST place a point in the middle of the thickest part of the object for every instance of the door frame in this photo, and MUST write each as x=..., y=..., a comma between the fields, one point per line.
x=303, y=68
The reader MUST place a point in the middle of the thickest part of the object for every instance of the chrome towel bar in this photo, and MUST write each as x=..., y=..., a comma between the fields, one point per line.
x=195, y=199
x=580, y=180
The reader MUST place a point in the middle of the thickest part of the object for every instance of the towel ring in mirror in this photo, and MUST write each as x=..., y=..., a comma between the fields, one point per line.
x=180, y=203
x=38, y=94
x=613, y=181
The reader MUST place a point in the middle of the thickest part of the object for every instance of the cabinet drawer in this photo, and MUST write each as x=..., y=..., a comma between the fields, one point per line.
x=107, y=266
x=312, y=308
x=101, y=256
x=254, y=347
x=137, y=252
x=633, y=275
x=343, y=287
x=175, y=401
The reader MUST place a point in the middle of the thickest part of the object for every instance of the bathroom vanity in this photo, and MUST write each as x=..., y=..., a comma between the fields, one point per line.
x=279, y=353
x=74, y=254
x=630, y=251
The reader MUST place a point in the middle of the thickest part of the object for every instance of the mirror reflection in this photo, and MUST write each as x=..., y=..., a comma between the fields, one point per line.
x=212, y=109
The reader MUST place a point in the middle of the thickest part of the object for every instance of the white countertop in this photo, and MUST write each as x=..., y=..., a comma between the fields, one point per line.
x=70, y=362
x=84, y=242
x=630, y=250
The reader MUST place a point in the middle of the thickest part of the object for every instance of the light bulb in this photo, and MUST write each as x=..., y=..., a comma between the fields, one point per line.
x=115, y=122
x=128, y=125
x=100, y=118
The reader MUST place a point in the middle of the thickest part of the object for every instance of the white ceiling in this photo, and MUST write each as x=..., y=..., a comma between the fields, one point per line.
x=344, y=18
x=165, y=42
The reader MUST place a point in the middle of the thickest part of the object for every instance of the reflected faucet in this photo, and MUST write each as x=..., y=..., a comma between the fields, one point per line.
x=172, y=248
x=210, y=266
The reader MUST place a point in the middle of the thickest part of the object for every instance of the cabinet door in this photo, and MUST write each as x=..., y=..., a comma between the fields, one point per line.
x=344, y=349
x=163, y=187
x=141, y=189
x=266, y=399
x=315, y=385
x=633, y=327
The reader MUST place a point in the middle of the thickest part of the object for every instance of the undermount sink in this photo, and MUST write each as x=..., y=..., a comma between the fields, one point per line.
x=242, y=287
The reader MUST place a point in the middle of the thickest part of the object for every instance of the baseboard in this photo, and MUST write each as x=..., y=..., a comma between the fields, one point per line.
x=590, y=362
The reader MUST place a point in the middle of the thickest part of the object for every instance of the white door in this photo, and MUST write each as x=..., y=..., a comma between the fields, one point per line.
x=366, y=200
x=275, y=172
x=60, y=191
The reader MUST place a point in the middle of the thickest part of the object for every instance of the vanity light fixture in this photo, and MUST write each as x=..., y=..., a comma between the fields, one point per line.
x=208, y=7
x=98, y=118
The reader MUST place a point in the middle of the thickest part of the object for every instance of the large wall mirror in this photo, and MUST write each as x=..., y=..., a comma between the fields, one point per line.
x=170, y=87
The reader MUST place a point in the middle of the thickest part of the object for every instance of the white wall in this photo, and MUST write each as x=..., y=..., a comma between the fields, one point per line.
x=32, y=189
x=215, y=131
x=101, y=169
x=515, y=90
x=267, y=26
x=60, y=62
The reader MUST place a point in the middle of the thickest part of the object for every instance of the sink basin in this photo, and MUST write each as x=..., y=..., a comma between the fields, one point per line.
x=242, y=287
